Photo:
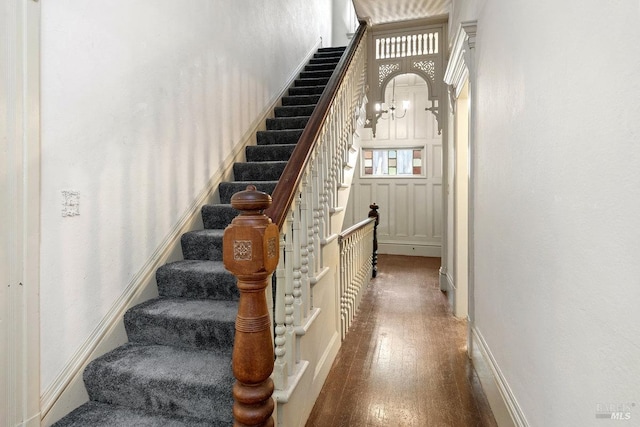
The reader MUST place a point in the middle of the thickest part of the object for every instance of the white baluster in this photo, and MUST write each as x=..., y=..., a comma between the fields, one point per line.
x=288, y=294
x=281, y=368
x=304, y=246
x=298, y=308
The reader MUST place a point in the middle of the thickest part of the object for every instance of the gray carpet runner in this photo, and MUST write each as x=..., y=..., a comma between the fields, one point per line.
x=176, y=368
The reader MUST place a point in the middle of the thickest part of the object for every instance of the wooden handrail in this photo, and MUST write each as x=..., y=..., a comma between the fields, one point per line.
x=286, y=189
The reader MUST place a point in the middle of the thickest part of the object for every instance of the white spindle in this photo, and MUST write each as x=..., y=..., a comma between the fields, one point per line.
x=281, y=368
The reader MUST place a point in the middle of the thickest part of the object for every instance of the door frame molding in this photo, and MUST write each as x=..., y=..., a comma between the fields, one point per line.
x=461, y=69
x=21, y=213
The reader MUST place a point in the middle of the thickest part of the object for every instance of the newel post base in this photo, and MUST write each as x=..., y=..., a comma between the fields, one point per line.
x=373, y=213
x=250, y=252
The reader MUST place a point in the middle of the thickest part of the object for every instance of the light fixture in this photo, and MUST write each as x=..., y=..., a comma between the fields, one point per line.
x=391, y=111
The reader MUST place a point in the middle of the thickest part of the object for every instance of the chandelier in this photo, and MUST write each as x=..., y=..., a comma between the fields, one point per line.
x=391, y=111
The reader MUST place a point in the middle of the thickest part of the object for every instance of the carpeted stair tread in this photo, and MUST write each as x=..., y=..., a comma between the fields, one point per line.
x=318, y=67
x=228, y=189
x=311, y=81
x=196, y=279
x=181, y=322
x=279, y=136
x=202, y=244
x=96, y=414
x=164, y=379
x=300, y=99
x=294, y=110
x=275, y=152
x=325, y=60
x=218, y=216
x=330, y=50
x=305, y=90
x=258, y=171
x=315, y=74
x=282, y=123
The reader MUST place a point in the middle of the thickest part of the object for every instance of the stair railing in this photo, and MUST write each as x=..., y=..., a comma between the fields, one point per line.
x=358, y=255
x=304, y=200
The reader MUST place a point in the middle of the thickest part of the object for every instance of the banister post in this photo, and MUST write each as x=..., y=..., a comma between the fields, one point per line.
x=373, y=213
x=250, y=252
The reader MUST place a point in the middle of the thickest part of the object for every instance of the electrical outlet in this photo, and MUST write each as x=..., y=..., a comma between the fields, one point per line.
x=70, y=203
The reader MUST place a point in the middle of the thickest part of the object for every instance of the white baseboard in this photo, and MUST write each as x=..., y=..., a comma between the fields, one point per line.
x=67, y=391
x=503, y=403
x=409, y=249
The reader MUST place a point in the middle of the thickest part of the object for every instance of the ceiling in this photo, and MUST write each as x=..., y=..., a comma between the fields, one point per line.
x=383, y=11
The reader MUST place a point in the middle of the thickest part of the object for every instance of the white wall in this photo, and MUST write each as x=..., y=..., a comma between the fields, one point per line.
x=557, y=202
x=345, y=22
x=141, y=104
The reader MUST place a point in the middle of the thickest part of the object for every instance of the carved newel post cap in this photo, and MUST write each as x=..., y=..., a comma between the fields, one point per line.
x=250, y=242
x=251, y=200
x=373, y=206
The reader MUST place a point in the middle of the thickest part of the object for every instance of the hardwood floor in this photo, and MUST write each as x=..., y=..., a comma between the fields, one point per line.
x=404, y=361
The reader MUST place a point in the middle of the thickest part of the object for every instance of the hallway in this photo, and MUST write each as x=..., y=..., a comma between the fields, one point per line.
x=404, y=362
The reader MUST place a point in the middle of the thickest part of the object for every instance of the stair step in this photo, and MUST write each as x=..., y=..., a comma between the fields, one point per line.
x=306, y=90
x=315, y=74
x=228, y=189
x=325, y=60
x=258, y=171
x=328, y=53
x=294, y=110
x=274, y=152
x=196, y=279
x=279, y=137
x=202, y=244
x=218, y=216
x=164, y=379
x=96, y=414
x=300, y=100
x=318, y=67
x=332, y=49
x=280, y=123
x=181, y=322
x=311, y=81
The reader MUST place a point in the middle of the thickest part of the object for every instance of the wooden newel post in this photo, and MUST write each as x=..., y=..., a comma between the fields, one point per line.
x=373, y=213
x=250, y=252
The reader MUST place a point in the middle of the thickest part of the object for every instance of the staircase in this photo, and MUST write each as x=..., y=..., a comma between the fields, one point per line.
x=176, y=368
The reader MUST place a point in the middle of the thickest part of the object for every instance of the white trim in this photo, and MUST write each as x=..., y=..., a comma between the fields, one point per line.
x=457, y=69
x=410, y=249
x=283, y=396
x=443, y=278
x=303, y=329
x=67, y=390
x=502, y=401
x=329, y=239
x=461, y=69
x=451, y=283
x=314, y=280
x=20, y=214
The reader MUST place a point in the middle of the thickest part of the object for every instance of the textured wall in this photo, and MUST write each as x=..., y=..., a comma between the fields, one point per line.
x=141, y=103
x=557, y=204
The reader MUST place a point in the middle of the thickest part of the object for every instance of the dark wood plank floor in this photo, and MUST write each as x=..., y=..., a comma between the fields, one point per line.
x=404, y=362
